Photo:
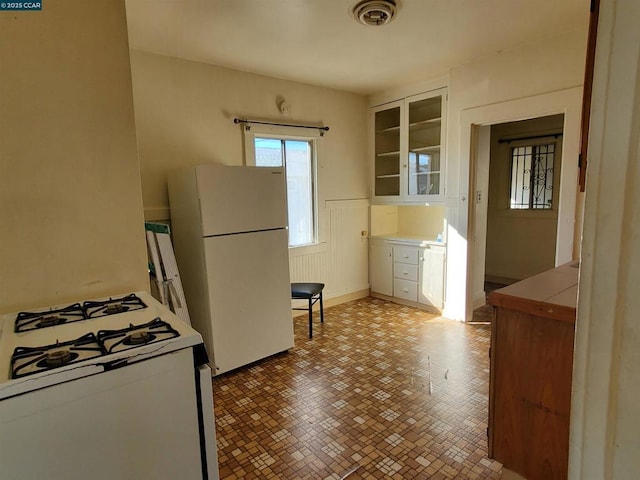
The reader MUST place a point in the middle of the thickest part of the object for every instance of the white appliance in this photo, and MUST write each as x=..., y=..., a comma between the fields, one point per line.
x=229, y=226
x=113, y=388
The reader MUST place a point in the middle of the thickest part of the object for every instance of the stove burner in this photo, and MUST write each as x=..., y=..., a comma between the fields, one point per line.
x=139, y=338
x=112, y=306
x=57, y=358
x=115, y=308
x=50, y=321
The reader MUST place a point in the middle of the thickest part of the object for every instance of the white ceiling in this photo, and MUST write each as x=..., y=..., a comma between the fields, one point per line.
x=318, y=41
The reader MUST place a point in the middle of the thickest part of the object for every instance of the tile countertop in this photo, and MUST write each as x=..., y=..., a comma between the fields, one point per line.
x=552, y=294
x=412, y=240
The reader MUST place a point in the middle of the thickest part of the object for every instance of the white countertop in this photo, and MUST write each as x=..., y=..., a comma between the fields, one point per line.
x=414, y=240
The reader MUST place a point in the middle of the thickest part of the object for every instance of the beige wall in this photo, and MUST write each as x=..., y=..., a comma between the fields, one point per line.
x=520, y=243
x=184, y=116
x=185, y=112
x=408, y=220
x=70, y=197
x=513, y=85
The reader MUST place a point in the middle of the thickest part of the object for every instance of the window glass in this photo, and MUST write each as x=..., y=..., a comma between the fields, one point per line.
x=297, y=158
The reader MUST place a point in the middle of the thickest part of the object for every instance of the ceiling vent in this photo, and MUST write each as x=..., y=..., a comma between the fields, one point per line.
x=375, y=12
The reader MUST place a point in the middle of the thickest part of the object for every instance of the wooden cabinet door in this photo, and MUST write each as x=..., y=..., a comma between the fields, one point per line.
x=530, y=394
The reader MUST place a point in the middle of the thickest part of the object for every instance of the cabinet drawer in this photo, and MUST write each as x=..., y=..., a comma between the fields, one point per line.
x=405, y=289
x=405, y=271
x=405, y=255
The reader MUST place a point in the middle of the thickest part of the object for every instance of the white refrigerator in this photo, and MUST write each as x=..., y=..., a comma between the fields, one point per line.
x=229, y=227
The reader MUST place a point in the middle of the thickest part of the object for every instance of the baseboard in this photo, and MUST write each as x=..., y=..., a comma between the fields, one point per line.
x=421, y=306
x=331, y=301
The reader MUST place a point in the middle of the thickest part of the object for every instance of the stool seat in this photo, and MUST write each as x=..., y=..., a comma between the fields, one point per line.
x=311, y=292
x=305, y=290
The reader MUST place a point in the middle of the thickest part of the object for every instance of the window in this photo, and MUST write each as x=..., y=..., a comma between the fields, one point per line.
x=297, y=155
x=532, y=177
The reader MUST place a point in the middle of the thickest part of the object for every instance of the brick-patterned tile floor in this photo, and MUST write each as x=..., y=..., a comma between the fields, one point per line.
x=381, y=391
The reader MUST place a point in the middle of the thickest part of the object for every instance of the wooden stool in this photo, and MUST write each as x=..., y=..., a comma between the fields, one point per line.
x=311, y=292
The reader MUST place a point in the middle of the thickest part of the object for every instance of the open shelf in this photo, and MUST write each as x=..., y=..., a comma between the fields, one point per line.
x=431, y=122
x=387, y=154
x=432, y=148
x=389, y=129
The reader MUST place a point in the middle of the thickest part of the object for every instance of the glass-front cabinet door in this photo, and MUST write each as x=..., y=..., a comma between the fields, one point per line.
x=387, y=150
x=408, y=150
x=423, y=159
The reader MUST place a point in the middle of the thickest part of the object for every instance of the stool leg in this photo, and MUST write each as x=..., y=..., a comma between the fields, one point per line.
x=321, y=309
x=310, y=319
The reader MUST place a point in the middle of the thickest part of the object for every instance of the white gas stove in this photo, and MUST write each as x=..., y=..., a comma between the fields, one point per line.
x=125, y=365
x=37, y=348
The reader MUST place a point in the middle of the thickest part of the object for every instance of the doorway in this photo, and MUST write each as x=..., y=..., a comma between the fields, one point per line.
x=522, y=198
x=515, y=202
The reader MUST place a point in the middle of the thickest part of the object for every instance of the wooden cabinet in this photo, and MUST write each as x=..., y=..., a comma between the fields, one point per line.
x=408, y=149
x=411, y=274
x=532, y=335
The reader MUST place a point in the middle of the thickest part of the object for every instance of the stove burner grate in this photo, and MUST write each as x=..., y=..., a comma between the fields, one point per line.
x=29, y=360
x=154, y=331
x=112, y=306
x=26, y=321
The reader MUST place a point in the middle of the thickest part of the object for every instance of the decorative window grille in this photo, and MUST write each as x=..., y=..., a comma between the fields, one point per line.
x=532, y=177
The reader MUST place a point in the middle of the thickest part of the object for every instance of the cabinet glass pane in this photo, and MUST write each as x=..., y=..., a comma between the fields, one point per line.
x=387, y=152
x=425, y=129
x=424, y=173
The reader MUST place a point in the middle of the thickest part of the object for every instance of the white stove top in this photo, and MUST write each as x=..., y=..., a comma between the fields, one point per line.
x=10, y=340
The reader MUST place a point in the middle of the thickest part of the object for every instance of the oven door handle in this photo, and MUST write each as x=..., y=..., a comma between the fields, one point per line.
x=115, y=364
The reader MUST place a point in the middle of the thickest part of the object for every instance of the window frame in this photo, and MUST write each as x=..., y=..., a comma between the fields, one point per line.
x=276, y=132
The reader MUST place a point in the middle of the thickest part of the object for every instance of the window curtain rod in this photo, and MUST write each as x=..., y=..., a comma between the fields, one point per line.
x=533, y=137
x=322, y=128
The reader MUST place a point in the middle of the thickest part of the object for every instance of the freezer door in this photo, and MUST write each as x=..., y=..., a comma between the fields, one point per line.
x=249, y=297
x=241, y=199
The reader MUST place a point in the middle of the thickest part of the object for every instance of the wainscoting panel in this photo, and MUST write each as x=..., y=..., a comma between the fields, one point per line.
x=340, y=262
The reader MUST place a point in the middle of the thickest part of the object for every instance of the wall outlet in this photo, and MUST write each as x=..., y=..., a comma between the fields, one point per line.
x=478, y=196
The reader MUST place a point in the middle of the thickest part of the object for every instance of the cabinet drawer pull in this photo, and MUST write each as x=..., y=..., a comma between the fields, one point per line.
x=405, y=290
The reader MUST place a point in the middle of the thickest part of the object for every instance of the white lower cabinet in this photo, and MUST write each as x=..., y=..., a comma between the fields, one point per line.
x=412, y=274
x=432, y=262
x=405, y=273
x=405, y=289
x=381, y=267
